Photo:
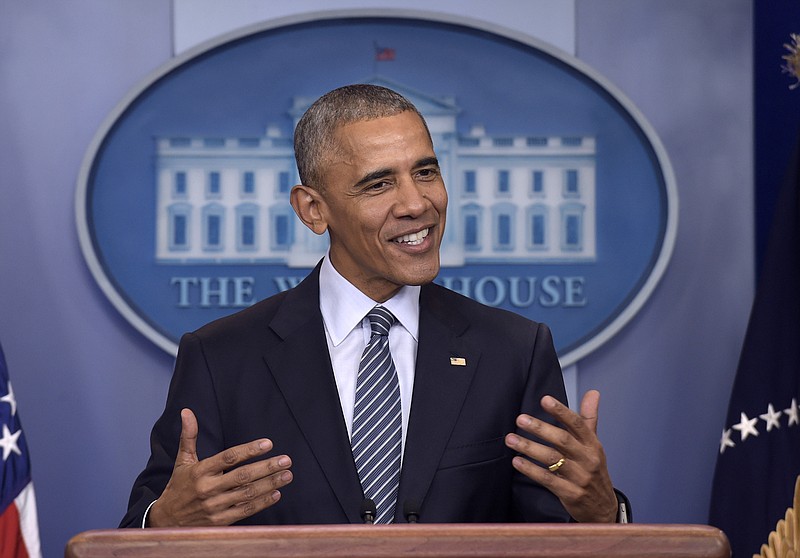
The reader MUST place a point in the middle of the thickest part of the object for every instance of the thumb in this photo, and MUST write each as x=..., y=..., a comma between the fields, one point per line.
x=187, y=448
x=590, y=405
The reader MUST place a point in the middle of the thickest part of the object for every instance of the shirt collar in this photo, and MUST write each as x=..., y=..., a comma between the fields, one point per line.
x=343, y=306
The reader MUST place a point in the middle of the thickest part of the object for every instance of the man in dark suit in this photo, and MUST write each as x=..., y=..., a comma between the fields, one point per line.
x=264, y=405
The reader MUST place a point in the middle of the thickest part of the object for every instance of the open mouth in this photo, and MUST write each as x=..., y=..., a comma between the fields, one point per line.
x=413, y=239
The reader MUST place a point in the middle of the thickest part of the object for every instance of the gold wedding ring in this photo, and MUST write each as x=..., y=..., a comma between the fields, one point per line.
x=557, y=465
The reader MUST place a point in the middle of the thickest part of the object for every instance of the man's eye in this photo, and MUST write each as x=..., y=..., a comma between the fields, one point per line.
x=427, y=174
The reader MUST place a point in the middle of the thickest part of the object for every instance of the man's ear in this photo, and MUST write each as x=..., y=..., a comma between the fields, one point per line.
x=307, y=203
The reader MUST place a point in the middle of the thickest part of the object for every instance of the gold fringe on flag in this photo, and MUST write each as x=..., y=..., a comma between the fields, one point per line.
x=784, y=541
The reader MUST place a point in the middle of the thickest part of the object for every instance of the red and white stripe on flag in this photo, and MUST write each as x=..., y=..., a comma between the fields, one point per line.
x=19, y=529
x=19, y=526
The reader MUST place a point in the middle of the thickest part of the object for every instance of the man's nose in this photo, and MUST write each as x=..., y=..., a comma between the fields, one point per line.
x=411, y=200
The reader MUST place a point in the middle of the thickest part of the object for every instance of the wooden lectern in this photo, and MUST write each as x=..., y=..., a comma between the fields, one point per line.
x=394, y=541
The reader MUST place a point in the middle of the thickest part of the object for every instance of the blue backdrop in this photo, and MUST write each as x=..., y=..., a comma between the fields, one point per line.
x=89, y=386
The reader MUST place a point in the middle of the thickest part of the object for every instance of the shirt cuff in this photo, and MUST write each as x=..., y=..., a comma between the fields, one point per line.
x=144, y=517
x=624, y=514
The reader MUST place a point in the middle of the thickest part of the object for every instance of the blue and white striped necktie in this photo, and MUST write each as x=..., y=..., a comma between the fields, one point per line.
x=377, y=419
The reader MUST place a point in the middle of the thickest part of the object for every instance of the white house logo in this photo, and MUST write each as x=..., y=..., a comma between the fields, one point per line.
x=225, y=200
x=562, y=204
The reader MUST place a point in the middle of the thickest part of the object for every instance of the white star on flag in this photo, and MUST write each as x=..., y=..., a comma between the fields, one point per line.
x=9, y=398
x=19, y=527
x=726, y=441
x=792, y=411
x=772, y=418
x=9, y=442
x=746, y=426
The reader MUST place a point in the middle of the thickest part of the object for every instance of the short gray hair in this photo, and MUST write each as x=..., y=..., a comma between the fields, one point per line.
x=314, y=136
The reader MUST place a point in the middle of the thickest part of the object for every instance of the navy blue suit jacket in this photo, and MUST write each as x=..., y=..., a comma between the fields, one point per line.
x=266, y=372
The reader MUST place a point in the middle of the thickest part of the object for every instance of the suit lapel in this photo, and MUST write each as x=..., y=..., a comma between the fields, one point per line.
x=302, y=369
x=439, y=391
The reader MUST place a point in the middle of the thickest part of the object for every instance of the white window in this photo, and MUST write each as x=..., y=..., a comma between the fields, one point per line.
x=213, y=227
x=247, y=227
x=537, y=227
x=179, y=221
x=503, y=225
x=214, y=185
x=571, y=183
x=281, y=228
x=472, y=215
x=572, y=227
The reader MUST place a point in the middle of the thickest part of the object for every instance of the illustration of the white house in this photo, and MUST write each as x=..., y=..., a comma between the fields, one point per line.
x=513, y=199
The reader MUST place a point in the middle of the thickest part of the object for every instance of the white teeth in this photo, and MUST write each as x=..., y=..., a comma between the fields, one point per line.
x=412, y=239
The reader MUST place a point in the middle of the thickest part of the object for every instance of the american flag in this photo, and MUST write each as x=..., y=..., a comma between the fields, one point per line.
x=19, y=529
x=384, y=54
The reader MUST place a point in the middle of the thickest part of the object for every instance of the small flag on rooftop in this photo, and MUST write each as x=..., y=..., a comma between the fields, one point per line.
x=384, y=54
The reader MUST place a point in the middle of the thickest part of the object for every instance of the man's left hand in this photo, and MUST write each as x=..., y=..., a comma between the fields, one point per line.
x=581, y=481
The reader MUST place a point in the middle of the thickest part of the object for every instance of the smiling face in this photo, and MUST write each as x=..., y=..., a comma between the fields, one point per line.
x=383, y=202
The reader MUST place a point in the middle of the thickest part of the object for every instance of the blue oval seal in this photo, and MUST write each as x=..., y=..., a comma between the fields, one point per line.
x=563, y=205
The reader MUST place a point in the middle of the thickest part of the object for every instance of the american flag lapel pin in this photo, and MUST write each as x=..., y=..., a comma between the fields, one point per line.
x=458, y=361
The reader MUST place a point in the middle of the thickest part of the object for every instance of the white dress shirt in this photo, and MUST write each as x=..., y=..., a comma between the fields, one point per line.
x=347, y=331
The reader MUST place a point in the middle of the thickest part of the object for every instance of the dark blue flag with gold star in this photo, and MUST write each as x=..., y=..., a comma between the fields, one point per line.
x=759, y=451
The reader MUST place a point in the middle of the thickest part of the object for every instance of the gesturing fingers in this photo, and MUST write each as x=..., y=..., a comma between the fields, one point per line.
x=249, y=489
x=552, y=443
x=584, y=425
x=187, y=445
x=545, y=466
x=274, y=469
x=226, y=487
x=590, y=405
x=571, y=460
x=576, y=443
x=227, y=459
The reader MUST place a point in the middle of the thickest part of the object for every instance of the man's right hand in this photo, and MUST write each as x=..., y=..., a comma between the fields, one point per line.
x=215, y=491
